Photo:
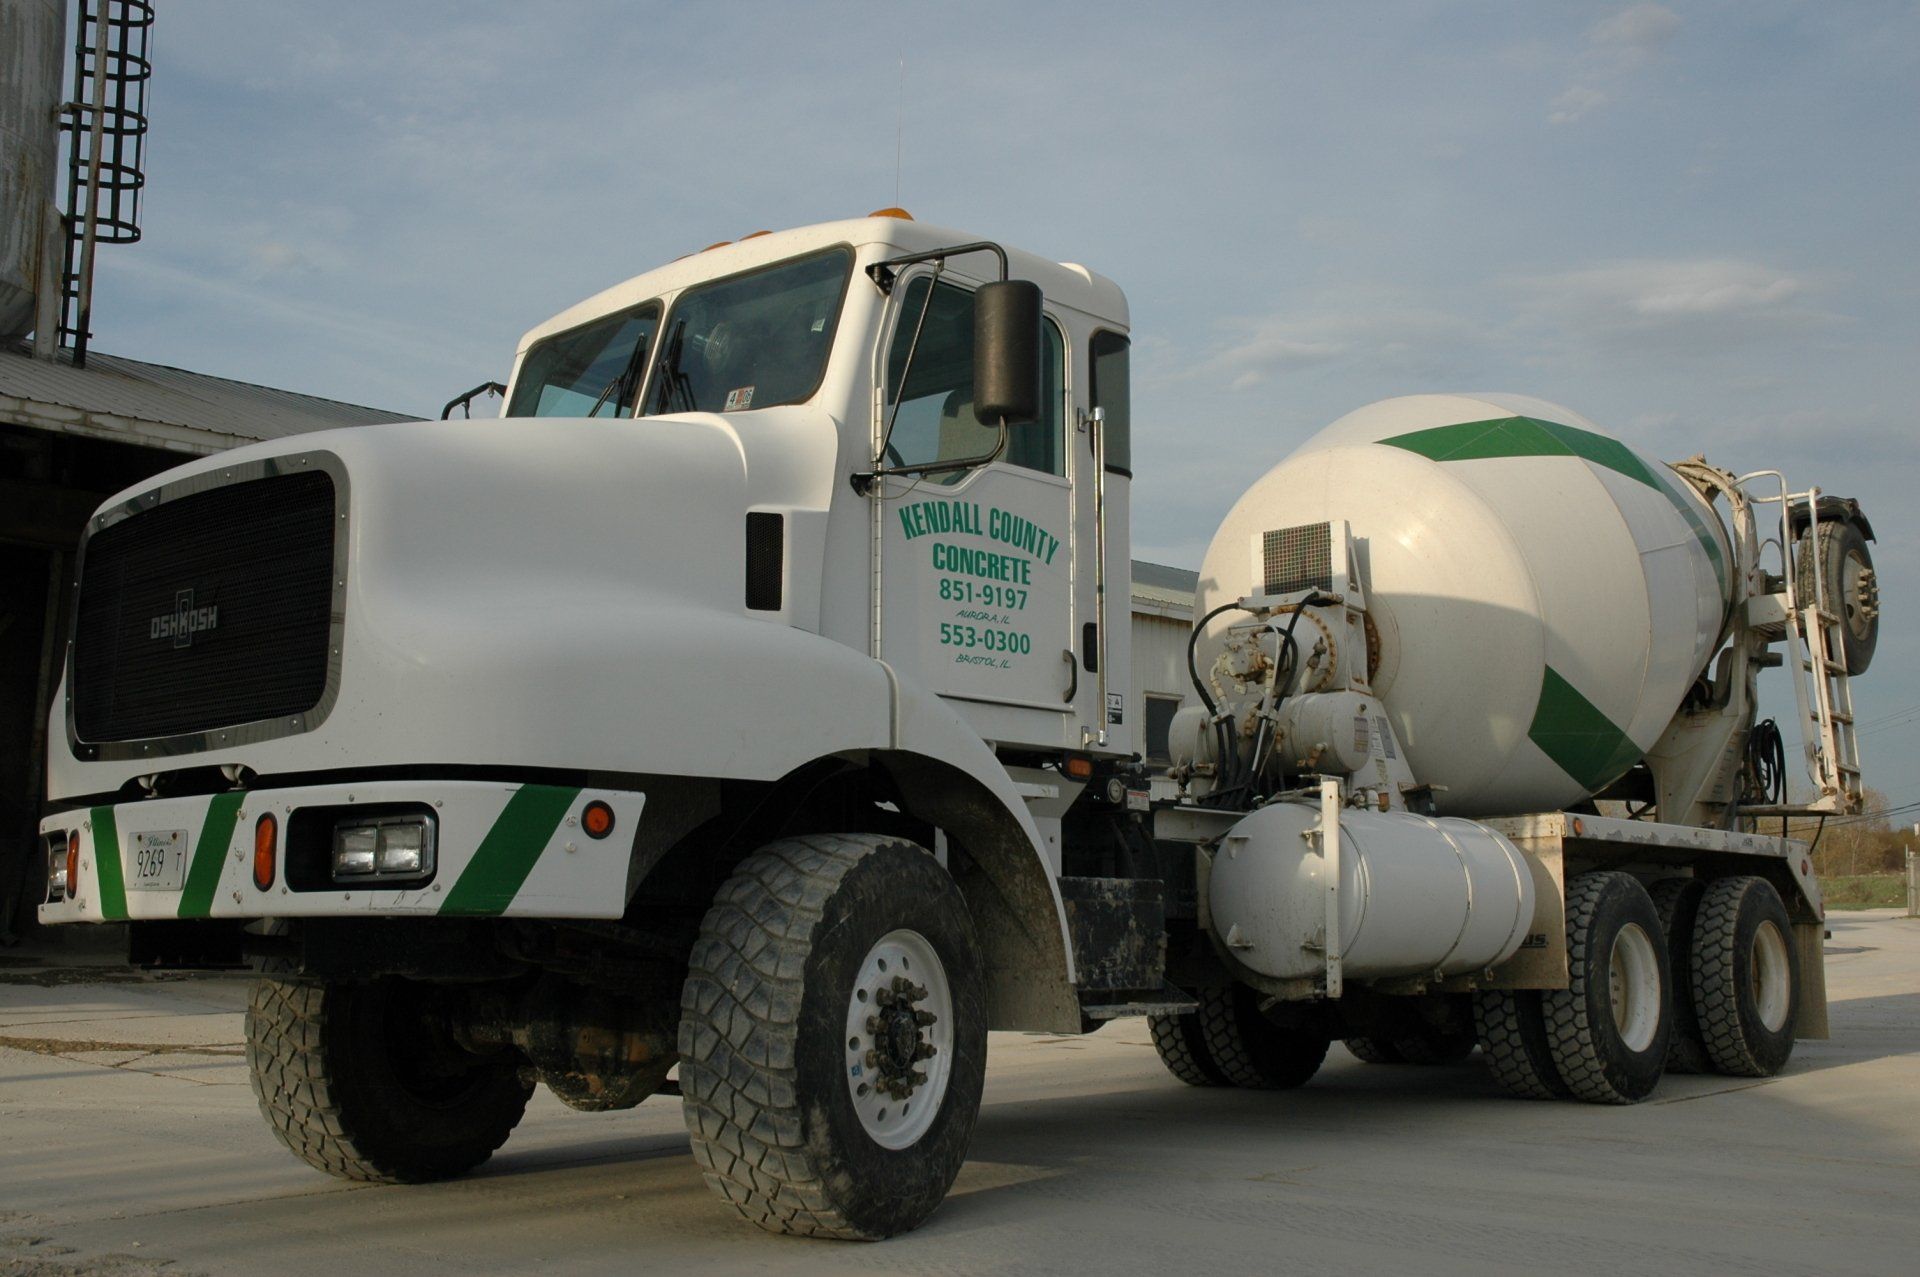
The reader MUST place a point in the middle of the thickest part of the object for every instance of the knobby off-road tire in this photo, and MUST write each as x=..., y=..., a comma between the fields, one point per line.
x=768, y=1055
x=1746, y=977
x=1513, y=1040
x=1373, y=1051
x=1610, y=1027
x=1251, y=1051
x=1677, y=901
x=1853, y=591
x=362, y=1081
x=1181, y=1048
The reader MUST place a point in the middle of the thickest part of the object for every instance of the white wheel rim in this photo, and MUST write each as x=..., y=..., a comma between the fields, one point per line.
x=1633, y=987
x=1771, y=976
x=897, y=1060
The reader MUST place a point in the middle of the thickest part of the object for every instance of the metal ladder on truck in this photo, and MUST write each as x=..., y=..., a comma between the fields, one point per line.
x=1822, y=691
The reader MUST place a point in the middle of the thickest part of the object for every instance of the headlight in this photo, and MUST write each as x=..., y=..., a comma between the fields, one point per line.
x=57, y=883
x=387, y=847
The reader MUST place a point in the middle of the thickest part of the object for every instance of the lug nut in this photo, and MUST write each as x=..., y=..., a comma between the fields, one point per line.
x=925, y=1051
x=883, y=997
x=924, y=1018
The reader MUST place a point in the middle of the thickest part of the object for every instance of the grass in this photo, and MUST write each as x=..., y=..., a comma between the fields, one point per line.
x=1865, y=891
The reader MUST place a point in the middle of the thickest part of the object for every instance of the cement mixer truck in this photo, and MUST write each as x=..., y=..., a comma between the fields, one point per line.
x=744, y=716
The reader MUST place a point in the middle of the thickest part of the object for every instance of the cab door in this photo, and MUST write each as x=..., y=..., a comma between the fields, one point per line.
x=976, y=566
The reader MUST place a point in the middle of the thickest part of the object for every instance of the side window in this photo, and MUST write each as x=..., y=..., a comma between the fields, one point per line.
x=936, y=421
x=1111, y=391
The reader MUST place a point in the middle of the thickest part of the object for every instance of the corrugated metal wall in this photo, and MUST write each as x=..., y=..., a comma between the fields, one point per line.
x=1159, y=670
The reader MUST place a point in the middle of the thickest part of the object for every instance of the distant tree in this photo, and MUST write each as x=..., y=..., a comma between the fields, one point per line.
x=1863, y=844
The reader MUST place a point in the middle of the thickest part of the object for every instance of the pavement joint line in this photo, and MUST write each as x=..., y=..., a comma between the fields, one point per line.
x=1725, y=1090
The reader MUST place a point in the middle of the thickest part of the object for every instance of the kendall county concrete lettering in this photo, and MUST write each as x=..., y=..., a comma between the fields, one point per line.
x=923, y=517
x=982, y=563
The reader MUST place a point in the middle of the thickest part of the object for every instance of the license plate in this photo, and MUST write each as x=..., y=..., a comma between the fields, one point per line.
x=157, y=860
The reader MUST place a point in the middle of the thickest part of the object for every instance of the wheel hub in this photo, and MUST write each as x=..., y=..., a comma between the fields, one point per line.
x=899, y=1045
x=899, y=1039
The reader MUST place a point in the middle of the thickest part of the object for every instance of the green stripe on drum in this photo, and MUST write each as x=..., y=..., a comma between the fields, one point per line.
x=507, y=854
x=1582, y=741
x=106, y=862
x=1532, y=437
x=209, y=855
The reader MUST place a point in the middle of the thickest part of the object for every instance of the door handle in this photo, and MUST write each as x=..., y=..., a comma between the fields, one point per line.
x=1073, y=668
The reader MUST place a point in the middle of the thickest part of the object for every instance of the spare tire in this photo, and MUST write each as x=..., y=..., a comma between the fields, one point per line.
x=1852, y=589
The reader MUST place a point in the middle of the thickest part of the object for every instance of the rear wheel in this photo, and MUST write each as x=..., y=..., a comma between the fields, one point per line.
x=1432, y=1044
x=833, y=1037
x=1178, y=1041
x=1373, y=1051
x=1746, y=977
x=366, y=1081
x=1249, y=1049
x=1677, y=901
x=1610, y=1027
x=1513, y=1038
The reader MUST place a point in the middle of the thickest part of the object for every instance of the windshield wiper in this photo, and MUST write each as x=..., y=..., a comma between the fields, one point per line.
x=673, y=382
x=624, y=382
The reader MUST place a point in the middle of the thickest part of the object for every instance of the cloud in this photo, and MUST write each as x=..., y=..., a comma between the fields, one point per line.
x=1394, y=337
x=1574, y=103
x=1700, y=302
x=1615, y=47
x=1638, y=29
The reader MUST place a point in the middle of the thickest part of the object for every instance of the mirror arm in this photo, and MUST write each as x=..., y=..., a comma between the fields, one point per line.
x=884, y=273
x=863, y=480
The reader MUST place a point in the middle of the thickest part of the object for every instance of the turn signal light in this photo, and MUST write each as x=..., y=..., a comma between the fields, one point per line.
x=597, y=819
x=1078, y=767
x=900, y=213
x=266, y=833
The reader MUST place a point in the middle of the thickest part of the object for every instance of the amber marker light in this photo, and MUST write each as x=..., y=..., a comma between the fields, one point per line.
x=266, y=832
x=73, y=863
x=597, y=819
x=1078, y=767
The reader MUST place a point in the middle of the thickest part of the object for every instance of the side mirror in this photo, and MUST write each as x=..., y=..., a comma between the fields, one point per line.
x=1006, y=352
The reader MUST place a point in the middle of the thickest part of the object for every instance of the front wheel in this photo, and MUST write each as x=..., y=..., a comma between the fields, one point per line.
x=368, y=1082
x=833, y=1037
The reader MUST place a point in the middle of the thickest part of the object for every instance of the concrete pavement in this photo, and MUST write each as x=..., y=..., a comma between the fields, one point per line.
x=130, y=1144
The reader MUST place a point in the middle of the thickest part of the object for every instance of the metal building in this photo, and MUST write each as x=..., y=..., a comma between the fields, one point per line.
x=1162, y=620
x=77, y=426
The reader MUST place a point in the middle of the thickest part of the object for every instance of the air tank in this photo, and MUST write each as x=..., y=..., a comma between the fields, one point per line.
x=32, y=35
x=1540, y=596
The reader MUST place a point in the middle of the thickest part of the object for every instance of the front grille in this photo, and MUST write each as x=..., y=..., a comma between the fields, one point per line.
x=211, y=610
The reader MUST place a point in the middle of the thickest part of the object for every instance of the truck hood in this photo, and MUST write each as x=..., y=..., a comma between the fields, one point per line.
x=536, y=550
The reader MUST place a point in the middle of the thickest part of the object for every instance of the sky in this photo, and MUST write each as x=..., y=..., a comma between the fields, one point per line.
x=1694, y=223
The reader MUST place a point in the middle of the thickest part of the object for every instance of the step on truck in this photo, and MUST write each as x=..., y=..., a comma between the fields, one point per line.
x=744, y=715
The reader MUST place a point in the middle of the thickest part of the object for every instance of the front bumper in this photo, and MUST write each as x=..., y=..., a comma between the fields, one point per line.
x=502, y=850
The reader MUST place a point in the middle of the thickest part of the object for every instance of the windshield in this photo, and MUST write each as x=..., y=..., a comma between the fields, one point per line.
x=751, y=341
x=592, y=370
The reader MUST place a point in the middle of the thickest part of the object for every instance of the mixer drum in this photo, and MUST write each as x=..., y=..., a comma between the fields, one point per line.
x=1544, y=596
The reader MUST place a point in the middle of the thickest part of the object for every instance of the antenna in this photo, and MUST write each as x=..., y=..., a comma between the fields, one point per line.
x=899, y=129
